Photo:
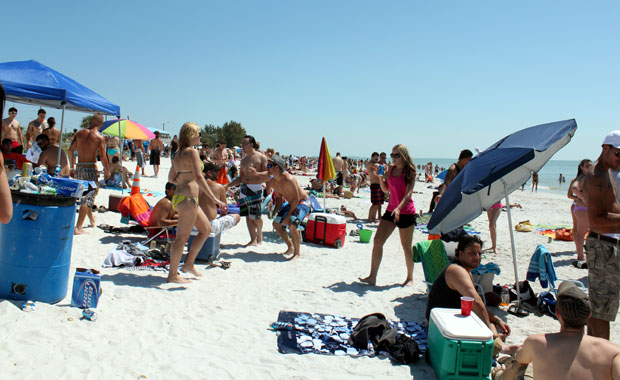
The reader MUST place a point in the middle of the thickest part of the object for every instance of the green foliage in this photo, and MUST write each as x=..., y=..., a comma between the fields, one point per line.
x=86, y=121
x=231, y=132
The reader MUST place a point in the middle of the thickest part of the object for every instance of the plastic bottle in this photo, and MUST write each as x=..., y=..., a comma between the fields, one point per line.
x=505, y=296
x=380, y=170
x=282, y=326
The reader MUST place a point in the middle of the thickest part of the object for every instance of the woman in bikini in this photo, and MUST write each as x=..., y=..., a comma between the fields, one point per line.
x=400, y=212
x=580, y=211
x=186, y=172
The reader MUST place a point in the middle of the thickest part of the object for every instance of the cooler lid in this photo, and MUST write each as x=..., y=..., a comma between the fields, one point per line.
x=331, y=218
x=453, y=325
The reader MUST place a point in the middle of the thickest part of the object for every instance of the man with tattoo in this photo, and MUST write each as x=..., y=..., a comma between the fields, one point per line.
x=603, y=241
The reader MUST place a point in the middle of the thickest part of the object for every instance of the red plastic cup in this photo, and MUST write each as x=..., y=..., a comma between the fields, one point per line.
x=466, y=304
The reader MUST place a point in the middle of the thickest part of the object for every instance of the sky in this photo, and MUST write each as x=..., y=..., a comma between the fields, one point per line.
x=437, y=76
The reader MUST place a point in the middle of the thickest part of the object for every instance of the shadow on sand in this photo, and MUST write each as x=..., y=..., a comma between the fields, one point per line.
x=149, y=281
x=253, y=257
x=358, y=288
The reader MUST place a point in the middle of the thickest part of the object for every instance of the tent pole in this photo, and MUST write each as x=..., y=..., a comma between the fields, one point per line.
x=512, y=243
x=121, y=161
x=62, y=127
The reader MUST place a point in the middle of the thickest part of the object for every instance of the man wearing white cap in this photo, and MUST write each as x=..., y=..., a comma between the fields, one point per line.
x=603, y=241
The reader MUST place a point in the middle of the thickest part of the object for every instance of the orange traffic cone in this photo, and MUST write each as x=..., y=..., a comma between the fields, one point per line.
x=135, y=186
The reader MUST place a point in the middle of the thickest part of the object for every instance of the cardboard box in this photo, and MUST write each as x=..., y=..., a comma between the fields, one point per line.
x=86, y=288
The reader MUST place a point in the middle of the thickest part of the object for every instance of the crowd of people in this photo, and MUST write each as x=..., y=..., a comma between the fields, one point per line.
x=201, y=181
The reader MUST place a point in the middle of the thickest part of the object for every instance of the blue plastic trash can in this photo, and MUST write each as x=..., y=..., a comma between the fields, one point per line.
x=35, y=248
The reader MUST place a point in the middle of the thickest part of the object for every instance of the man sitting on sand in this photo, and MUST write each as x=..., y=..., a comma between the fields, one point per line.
x=49, y=156
x=570, y=354
x=456, y=281
x=225, y=221
x=162, y=214
x=293, y=212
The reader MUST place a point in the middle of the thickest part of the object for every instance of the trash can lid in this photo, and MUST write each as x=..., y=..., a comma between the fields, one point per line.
x=41, y=199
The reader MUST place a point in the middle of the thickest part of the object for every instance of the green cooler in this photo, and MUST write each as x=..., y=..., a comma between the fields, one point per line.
x=460, y=347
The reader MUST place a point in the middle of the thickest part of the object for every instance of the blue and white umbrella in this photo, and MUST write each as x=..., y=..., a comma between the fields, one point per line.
x=497, y=172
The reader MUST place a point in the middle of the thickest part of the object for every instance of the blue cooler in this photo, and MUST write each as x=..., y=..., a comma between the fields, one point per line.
x=210, y=249
x=36, y=248
x=459, y=347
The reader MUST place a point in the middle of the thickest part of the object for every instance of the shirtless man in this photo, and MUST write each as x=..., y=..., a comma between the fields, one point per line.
x=225, y=221
x=377, y=197
x=119, y=175
x=251, y=194
x=454, y=169
x=162, y=214
x=35, y=128
x=49, y=156
x=569, y=354
x=155, y=147
x=294, y=211
x=604, y=237
x=221, y=156
x=11, y=130
x=339, y=167
x=52, y=132
x=139, y=151
x=88, y=142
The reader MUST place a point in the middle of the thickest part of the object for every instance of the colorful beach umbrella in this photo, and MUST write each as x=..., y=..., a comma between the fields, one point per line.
x=326, y=169
x=126, y=129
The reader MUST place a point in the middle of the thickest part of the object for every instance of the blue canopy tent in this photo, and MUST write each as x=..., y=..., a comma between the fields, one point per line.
x=31, y=82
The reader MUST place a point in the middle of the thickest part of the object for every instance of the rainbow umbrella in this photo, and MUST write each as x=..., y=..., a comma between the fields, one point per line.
x=126, y=129
x=326, y=169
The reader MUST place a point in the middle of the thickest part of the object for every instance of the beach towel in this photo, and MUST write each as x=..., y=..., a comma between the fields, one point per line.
x=327, y=334
x=541, y=266
x=432, y=253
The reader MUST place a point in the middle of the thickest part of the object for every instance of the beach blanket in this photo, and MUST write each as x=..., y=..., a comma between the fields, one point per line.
x=424, y=229
x=327, y=334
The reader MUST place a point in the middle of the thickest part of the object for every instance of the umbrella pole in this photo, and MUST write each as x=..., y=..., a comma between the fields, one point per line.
x=62, y=125
x=512, y=243
x=324, y=199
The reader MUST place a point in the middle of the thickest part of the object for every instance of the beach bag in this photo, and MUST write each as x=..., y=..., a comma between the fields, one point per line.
x=546, y=303
x=524, y=226
x=526, y=292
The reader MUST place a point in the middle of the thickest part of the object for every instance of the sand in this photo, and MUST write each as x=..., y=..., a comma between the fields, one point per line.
x=217, y=327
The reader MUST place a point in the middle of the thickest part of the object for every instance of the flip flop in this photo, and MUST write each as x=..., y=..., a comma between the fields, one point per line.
x=580, y=264
x=224, y=264
x=102, y=209
x=518, y=310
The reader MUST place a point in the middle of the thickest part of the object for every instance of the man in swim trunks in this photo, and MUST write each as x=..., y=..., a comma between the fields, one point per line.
x=35, y=128
x=221, y=156
x=297, y=205
x=225, y=221
x=339, y=167
x=11, y=130
x=88, y=143
x=569, y=354
x=49, y=156
x=139, y=152
x=155, y=147
x=603, y=241
x=377, y=197
x=251, y=193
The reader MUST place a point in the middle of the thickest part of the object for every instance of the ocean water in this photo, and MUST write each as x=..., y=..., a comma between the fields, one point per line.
x=547, y=177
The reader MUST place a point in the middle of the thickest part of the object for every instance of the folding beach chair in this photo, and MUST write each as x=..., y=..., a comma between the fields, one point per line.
x=541, y=267
x=138, y=209
x=432, y=254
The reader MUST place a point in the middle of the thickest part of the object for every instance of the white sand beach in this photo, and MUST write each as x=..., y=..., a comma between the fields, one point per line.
x=217, y=327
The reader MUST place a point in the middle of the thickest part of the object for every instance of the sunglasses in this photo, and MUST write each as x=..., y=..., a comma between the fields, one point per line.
x=395, y=155
x=269, y=166
x=616, y=151
x=13, y=113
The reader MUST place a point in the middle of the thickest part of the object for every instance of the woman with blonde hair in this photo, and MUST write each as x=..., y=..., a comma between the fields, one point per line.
x=186, y=172
x=400, y=212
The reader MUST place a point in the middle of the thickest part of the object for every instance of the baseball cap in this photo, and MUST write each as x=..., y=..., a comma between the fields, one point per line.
x=278, y=161
x=613, y=139
x=573, y=303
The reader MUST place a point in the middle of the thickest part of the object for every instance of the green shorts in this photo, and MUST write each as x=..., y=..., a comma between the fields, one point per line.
x=603, y=278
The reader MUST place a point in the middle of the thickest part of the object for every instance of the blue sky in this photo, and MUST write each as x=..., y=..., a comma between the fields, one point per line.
x=438, y=76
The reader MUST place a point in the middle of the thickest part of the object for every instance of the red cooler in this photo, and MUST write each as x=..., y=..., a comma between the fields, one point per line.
x=327, y=229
